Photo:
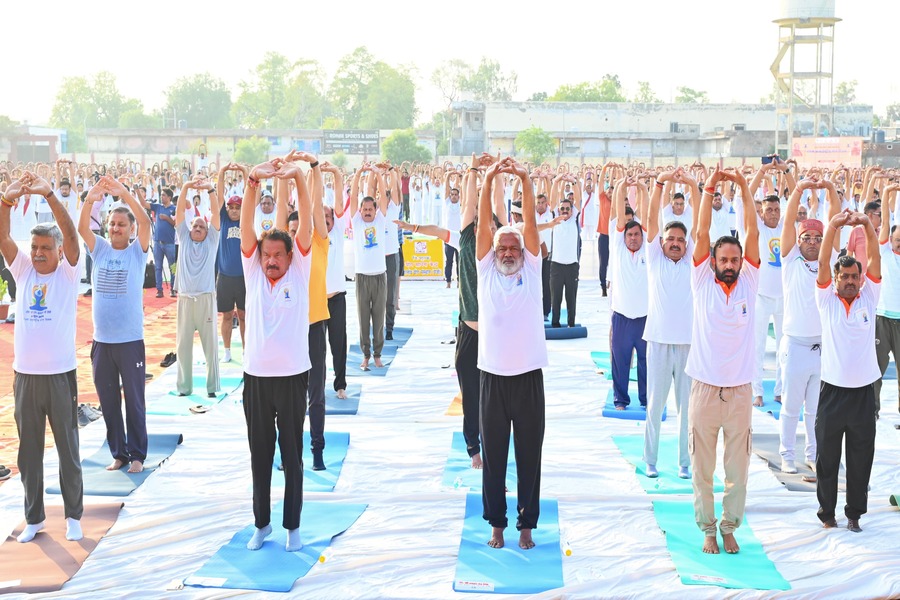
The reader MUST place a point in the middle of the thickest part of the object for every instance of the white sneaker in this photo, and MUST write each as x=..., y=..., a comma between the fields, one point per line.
x=227, y=356
x=684, y=472
x=787, y=466
x=652, y=472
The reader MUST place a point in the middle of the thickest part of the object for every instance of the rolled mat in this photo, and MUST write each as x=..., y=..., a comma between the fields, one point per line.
x=603, y=361
x=769, y=405
x=355, y=358
x=668, y=482
x=271, y=568
x=895, y=499
x=458, y=472
x=336, y=444
x=565, y=333
x=100, y=482
x=347, y=406
x=508, y=570
x=748, y=569
x=563, y=316
x=767, y=446
x=633, y=412
x=49, y=560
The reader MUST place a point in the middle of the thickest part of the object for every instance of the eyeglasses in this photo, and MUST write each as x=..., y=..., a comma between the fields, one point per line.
x=811, y=239
x=565, y=210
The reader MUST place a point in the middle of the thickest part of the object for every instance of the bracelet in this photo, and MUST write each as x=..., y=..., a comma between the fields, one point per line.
x=709, y=190
x=313, y=165
x=415, y=229
x=48, y=194
x=7, y=201
x=659, y=185
x=252, y=182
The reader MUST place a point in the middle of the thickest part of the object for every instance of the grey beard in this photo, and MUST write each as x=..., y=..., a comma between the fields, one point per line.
x=512, y=270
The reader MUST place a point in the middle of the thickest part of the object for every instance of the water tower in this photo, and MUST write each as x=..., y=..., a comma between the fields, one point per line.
x=803, y=70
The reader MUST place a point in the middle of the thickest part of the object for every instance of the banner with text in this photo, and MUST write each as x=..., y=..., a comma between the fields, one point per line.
x=352, y=141
x=828, y=151
x=423, y=258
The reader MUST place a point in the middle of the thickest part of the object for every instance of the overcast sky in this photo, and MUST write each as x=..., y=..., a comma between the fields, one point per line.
x=722, y=47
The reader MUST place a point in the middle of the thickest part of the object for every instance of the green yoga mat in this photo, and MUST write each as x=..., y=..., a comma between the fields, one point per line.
x=603, y=362
x=748, y=569
x=668, y=482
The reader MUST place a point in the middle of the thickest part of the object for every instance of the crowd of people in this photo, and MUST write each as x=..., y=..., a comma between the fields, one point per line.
x=697, y=262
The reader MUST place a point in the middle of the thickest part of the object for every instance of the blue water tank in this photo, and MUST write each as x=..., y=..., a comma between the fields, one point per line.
x=879, y=136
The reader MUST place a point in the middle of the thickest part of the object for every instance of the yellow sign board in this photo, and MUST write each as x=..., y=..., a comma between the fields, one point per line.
x=423, y=258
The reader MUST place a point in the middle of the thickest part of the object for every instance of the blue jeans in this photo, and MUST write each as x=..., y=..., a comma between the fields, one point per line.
x=167, y=250
x=627, y=337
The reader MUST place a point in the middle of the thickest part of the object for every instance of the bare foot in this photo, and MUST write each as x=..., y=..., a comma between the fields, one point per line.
x=619, y=407
x=364, y=365
x=342, y=394
x=757, y=401
x=115, y=465
x=525, y=541
x=496, y=540
x=378, y=362
x=136, y=466
x=710, y=545
x=476, y=461
x=731, y=545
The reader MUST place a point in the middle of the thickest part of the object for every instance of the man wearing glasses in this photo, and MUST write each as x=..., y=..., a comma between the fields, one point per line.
x=564, y=263
x=265, y=213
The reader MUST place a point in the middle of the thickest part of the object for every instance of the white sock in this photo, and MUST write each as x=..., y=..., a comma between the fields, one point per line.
x=227, y=356
x=259, y=536
x=29, y=532
x=293, y=540
x=73, y=530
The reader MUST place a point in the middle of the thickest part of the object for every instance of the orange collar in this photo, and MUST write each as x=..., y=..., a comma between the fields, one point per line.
x=726, y=288
x=845, y=303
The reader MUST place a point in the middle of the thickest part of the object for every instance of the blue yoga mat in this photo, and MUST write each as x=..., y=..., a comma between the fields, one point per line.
x=565, y=333
x=173, y=404
x=891, y=371
x=769, y=405
x=668, y=482
x=271, y=568
x=603, y=362
x=336, y=444
x=633, y=412
x=348, y=406
x=748, y=569
x=355, y=358
x=563, y=316
x=458, y=473
x=100, y=482
x=455, y=319
x=508, y=570
x=401, y=335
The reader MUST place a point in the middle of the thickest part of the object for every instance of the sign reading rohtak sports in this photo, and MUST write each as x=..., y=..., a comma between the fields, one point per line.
x=423, y=258
x=828, y=152
x=351, y=141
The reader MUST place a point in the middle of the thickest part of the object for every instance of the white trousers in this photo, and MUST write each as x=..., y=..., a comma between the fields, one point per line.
x=767, y=308
x=802, y=364
x=665, y=364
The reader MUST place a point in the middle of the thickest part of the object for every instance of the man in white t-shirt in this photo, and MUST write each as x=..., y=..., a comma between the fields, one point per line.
x=511, y=353
x=543, y=214
x=368, y=219
x=337, y=220
x=450, y=219
x=720, y=363
x=668, y=327
x=44, y=354
x=392, y=256
x=264, y=216
x=722, y=217
x=276, y=355
x=887, y=321
x=846, y=412
x=564, y=264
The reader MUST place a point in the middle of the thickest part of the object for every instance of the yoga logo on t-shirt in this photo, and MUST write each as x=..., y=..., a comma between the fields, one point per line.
x=775, y=252
x=38, y=297
x=267, y=224
x=370, y=238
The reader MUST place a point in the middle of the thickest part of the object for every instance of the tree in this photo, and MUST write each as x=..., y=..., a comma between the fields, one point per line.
x=538, y=97
x=251, y=151
x=7, y=125
x=484, y=83
x=892, y=113
x=202, y=100
x=82, y=102
x=347, y=92
x=536, y=144
x=450, y=78
x=403, y=145
x=688, y=95
x=645, y=94
x=136, y=118
x=371, y=94
x=339, y=159
x=845, y=92
x=608, y=89
x=281, y=95
x=440, y=123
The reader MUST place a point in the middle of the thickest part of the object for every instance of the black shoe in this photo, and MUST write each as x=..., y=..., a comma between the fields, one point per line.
x=169, y=360
x=159, y=293
x=4, y=473
x=829, y=524
x=85, y=280
x=88, y=293
x=83, y=418
x=148, y=376
x=389, y=335
x=555, y=325
x=173, y=293
x=604, y=292
x=318, y=462
x=211, y=395
x=853, y=525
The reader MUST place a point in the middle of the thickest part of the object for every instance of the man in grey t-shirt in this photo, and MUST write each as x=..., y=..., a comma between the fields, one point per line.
x=196, y=283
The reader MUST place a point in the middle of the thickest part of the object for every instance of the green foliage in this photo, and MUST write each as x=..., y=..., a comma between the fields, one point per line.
x=82, y=102
x=645, y=94
x=251, y=151
x=485, y=83
x=536, y=144
x=339, y=159
x=402, y=145
x=892, y=113
x=845, y=93
x=608, y=89
x=688, y=95
x=441, y=123
x=281, y=95
x=538, y=97
x=202, y=100
x=7, y=125
x=135, y=118
x=370, y=94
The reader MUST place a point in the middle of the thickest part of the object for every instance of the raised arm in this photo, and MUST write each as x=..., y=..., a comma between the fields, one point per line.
x=483, y=238
x=654, y=212
x=338, y=180
x=71, y=247
x=760, y=175
x=789, y=231
x=529, y=231
x=832, y=230
x=11, y=195
x=259, y=173
x=95, y=194
x=704, y=216
x=183, y=204
x=116, y=188
x=289, y=170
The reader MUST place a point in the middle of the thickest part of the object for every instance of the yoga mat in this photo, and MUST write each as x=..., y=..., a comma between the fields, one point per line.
x=336, y=444
x=668, y=482
x=100, y=482
x=633, y=412
x=355, y=357
x=173, y=404
x=769, y=405
x=49, y=560
x=226, y=384
x=891, y=371
x=458, y=472
x=508, y=570
x=271, y=568
x=603, y=362
x=455, y=319
x=401, y=335
x=766, y=445
x=565, y=333
x=748, y=569
x=563, y=316
x=348, y=406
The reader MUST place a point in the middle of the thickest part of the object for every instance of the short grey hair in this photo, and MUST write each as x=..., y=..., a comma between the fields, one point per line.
x=507, y=229
x=48, y=230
